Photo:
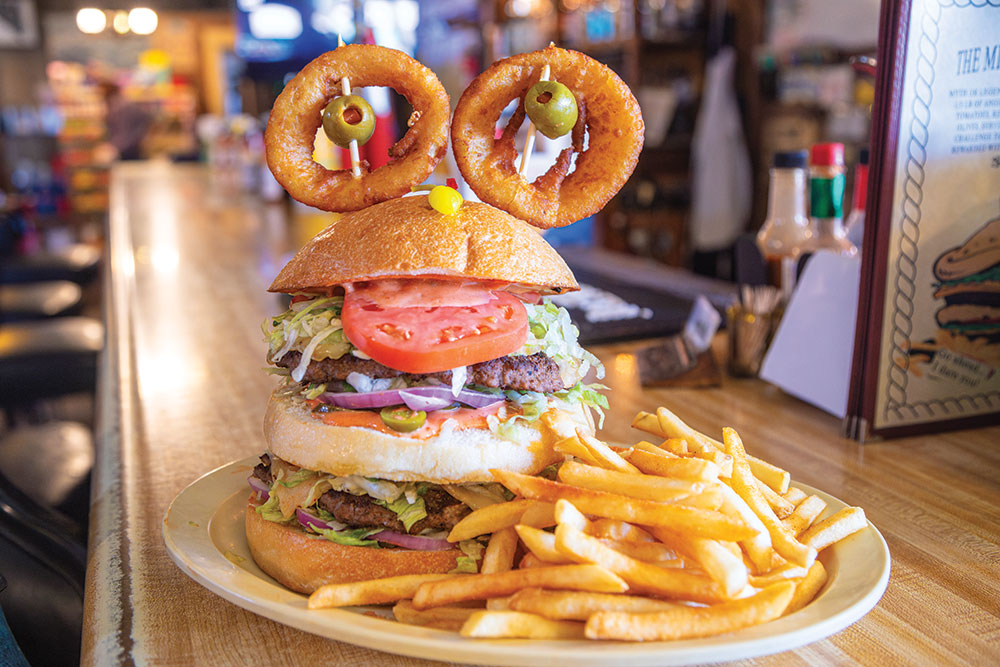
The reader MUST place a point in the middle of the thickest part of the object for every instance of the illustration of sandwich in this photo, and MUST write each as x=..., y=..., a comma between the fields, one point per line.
x=969, y=275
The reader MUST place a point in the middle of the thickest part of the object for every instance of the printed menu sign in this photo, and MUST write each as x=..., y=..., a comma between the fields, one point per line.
x=927, y=352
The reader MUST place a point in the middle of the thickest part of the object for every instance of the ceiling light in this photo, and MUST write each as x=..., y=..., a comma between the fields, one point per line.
x=91, y=20
x=120, y=22
x=142, y=21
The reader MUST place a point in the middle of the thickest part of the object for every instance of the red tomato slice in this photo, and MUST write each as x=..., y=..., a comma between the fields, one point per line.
x=429, y=339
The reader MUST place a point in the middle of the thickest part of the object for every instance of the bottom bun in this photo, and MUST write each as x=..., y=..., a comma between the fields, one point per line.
x=303, y=564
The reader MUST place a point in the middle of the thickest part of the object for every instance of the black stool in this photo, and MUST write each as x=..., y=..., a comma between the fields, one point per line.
x=77, y=263
x=32, y=301
x=45, y=359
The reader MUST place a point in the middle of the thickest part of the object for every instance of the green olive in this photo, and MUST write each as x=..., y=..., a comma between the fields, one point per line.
x=552, y=108
x=401, y=418
x=349, y=118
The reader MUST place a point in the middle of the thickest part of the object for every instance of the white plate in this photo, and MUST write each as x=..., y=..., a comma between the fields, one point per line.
x=203, y=531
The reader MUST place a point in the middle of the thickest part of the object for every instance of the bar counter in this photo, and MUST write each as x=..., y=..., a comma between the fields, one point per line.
x=182, y=393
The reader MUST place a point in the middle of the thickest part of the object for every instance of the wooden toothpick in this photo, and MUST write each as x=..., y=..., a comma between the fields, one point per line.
x=345, y=84
x=529, y=143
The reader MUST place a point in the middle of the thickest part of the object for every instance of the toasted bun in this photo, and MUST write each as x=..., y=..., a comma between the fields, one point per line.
x=978, y=253
x=405, y=237
x=452, y=457
x=304, y=563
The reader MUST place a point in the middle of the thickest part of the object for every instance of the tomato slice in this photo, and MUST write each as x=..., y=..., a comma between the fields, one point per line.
x=433, y=338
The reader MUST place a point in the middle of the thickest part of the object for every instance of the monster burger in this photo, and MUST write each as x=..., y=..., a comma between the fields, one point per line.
x=420, y=352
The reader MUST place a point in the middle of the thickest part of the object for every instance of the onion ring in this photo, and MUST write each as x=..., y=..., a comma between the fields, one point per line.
x=608, y=112
x=297, y=114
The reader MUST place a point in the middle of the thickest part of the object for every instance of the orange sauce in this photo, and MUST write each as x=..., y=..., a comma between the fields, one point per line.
x=465, y=418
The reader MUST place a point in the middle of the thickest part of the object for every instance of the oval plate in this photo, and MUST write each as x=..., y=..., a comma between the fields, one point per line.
x=203, y=531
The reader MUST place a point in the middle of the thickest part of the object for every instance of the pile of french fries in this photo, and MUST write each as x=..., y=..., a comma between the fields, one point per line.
x=689, y=538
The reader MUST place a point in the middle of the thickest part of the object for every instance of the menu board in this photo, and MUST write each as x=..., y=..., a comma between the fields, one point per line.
x=927, y=350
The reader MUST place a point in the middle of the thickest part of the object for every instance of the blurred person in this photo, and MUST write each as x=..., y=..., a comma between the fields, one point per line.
x=128, y=123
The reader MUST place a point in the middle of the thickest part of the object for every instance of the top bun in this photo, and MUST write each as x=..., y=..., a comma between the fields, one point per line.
x=405, y=237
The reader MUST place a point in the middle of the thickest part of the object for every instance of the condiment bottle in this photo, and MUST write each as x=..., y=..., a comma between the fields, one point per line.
x=856, y=219
x=786, y=228
x=826, y=200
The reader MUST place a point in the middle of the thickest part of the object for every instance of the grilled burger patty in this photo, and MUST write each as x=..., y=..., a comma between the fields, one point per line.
x=522, y=373
x=443, y=510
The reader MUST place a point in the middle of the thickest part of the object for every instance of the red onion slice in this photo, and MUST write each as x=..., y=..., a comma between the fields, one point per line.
x=259, y=487
x=430, y=398
x=415, y=542
x=310, y=521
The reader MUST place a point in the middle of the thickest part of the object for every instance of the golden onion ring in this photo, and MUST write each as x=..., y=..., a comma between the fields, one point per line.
x=609, y=114
x=297, y=114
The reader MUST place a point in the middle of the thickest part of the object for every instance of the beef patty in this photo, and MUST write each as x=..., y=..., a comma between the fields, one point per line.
x=536, y=372
x=443, y=510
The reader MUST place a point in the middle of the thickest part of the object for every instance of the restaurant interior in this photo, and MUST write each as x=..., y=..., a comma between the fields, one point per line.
x=140, y=226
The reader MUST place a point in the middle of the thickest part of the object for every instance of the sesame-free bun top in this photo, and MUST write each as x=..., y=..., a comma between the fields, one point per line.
x=405, y=237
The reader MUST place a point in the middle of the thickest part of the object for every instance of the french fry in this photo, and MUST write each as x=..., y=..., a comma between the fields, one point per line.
x=484, y=586
x=497, y=604
x=649, y=448
x=835, y=528
x=687, y=622
x=489, y=519
x=808, y=587
x=641, y=577
x=540, y=543
x=758, y=547
x=372, y=591
x=651, y=552
x=578, y=606
x=649, y=487
x=499, y=624
x=781, y=507
x=718, y=562
x=703, y=523
x=594, y=452
x=442, y=618
x=668, y=425
x=567, y=514
x=782, y=572
x=698, y=470
x=794, y=494
x=745, y=485
x=612, y=529
x=539, y=515
x=499, y=554
x=676, y=446
x=804, y=515
x=531, y=560
x=776, y=478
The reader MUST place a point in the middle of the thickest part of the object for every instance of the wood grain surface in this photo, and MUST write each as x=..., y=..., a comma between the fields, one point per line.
x=182, y=392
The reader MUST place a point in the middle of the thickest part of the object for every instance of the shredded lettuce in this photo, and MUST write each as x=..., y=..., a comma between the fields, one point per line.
x=271, y=510
x=300, y=327
x=551, y=331
x=296, y=478
x=407, y=512
x=469, y=563
x=351, y=537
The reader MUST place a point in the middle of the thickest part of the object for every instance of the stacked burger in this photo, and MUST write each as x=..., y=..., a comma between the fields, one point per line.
x=420, y=354
x=419, y=351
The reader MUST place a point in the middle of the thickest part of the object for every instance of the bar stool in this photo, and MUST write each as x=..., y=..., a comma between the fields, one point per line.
x=49, y=358
x=32, y=301
x=44, y=567
x=77, y=263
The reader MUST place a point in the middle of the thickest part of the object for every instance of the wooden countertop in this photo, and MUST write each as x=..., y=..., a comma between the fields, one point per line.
x=182, y=393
